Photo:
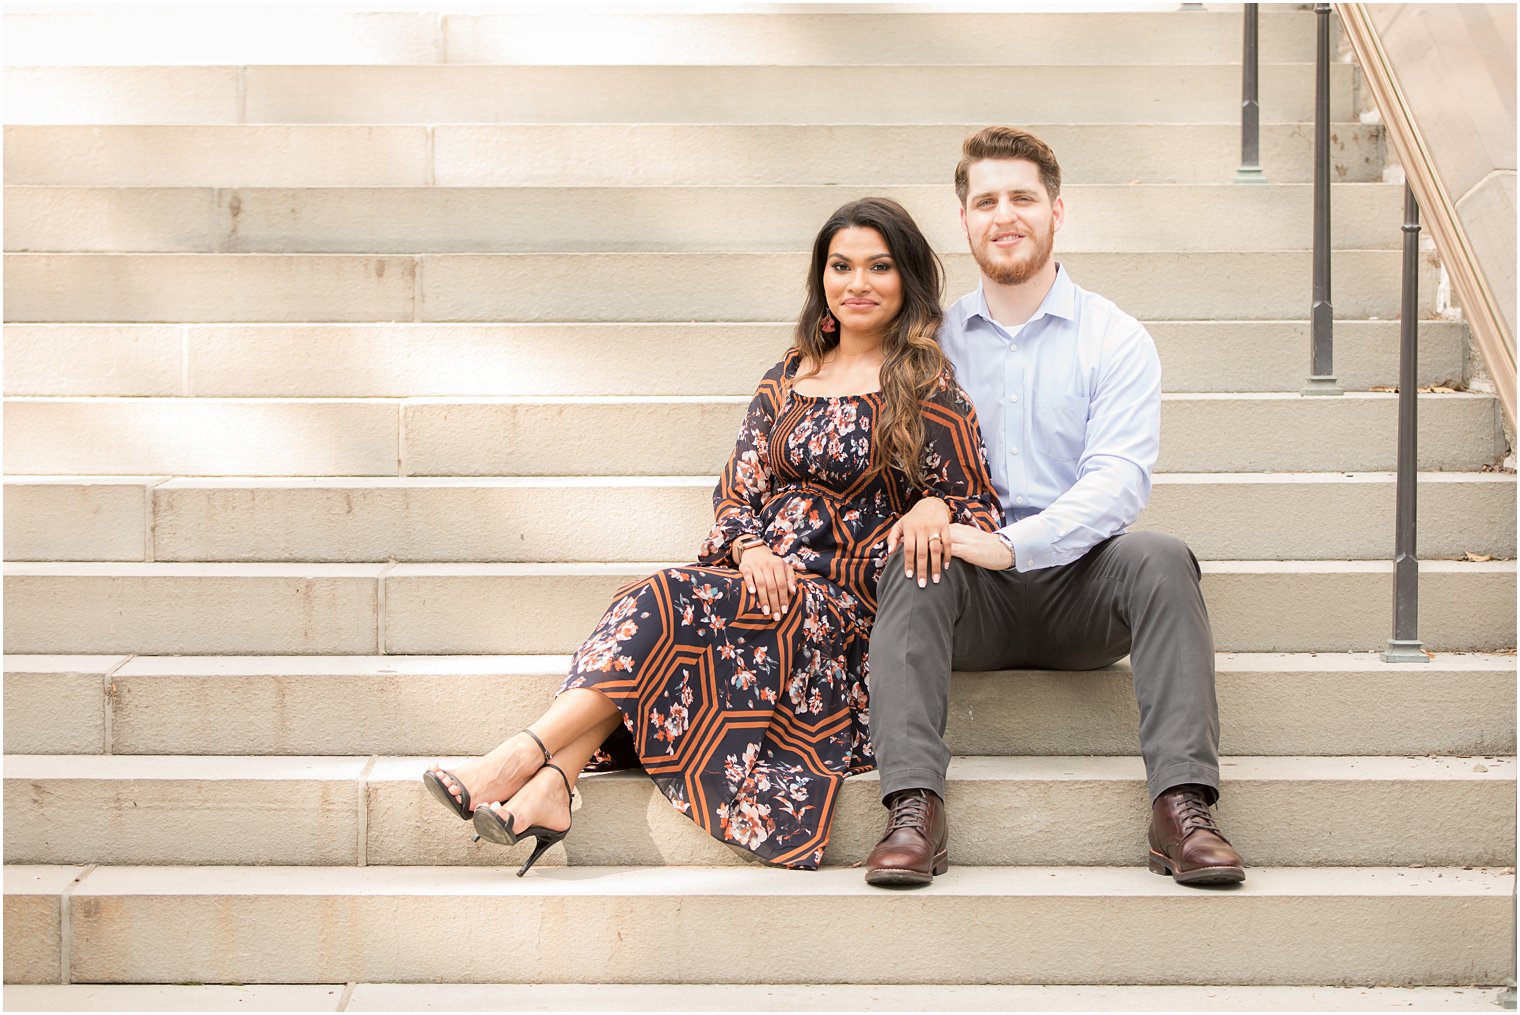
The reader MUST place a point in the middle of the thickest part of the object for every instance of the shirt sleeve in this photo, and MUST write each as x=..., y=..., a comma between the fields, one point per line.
x=1114, y=471
x=955, y=459
x=745, y=485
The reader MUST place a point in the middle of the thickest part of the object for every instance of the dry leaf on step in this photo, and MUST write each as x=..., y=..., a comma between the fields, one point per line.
x=1476, y=558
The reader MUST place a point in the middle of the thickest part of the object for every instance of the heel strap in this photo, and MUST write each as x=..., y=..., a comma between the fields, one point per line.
x=574, y=794
x=563, y=777
x=547, y=756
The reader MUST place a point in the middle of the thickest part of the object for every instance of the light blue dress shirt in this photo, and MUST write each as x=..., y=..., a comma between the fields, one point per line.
x=1070, y=408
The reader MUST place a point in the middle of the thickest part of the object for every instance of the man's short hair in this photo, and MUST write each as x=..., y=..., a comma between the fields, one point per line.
x=1007, y=143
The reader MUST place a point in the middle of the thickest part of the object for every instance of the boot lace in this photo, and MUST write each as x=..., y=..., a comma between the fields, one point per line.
x=909, y=810
x=1194, y=815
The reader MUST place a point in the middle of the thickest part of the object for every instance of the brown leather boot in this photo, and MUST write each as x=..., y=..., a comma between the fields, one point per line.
x=913, y=848
x=1186, y=842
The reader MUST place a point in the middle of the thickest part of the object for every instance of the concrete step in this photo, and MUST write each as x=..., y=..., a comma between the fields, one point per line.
x=656, y=436
x=464, y=93
x=1269, y=704
x=318, y=997
x=398, y=360
x=574, y=155
x=238, y=35
x=177, y=288
x=878, y=37
x=666, y=219
x=598, y=924
x=444, y=609
x=730, y=997
x=581, y=36
x=1286, y=811
x=1226, y=516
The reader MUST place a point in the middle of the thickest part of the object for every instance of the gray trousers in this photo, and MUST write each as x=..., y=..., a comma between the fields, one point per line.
x=1134, y=594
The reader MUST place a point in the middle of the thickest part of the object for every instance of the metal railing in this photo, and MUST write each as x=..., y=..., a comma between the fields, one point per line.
x=1250, y=103
x=1405, y=645
x=1321, y=379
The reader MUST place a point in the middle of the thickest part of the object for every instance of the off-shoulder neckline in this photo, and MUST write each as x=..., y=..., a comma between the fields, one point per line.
x=793, y=363
x=853, y=394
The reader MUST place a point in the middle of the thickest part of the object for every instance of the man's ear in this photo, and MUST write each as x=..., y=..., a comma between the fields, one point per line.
x=964, y=231
x=1058, y=214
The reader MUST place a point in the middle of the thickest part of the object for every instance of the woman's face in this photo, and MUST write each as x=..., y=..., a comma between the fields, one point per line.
x=861, y=282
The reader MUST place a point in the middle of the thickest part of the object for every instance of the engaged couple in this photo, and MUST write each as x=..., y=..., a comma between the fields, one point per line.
x=913, y=490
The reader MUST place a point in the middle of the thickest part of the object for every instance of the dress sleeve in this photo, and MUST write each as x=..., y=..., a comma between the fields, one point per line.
x=955, y=459
x=745, y=485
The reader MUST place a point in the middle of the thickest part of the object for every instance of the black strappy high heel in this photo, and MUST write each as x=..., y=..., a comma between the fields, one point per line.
x=498, y=827
x=462, y=807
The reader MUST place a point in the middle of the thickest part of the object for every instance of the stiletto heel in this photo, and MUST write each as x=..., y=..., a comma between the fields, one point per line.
x=433, y=781
x=542, y=846
x=497, y=827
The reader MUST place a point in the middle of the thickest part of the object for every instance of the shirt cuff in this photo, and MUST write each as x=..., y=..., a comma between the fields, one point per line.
x=1031, y=542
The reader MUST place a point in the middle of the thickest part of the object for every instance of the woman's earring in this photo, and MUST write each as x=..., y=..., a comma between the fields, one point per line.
x=827, y=324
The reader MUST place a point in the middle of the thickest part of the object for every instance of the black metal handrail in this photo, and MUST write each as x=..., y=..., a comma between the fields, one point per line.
x=1250, y=103
x=1321, y=379
x=1405, y=645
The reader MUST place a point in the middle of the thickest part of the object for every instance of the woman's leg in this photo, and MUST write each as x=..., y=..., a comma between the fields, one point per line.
x=543, y=800
x=571, y=719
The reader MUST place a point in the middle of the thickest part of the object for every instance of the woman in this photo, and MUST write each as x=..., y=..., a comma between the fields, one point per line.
x=739, y=684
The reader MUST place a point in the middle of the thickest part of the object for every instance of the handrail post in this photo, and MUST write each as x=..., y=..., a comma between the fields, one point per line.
x=1250, y=104
x=1405, y=645
x=1321, y=379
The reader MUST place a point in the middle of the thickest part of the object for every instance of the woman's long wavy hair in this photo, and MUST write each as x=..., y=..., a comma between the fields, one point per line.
x=913, y=360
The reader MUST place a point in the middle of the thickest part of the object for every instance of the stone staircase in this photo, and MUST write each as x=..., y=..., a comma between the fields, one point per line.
x=352, y=362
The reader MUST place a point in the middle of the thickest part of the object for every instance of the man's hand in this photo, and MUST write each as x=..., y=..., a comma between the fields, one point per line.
x=925, y=535
x=984, y=549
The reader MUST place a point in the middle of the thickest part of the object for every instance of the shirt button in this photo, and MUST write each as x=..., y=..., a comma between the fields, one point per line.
x=1018, y=500
x=1013, y=398
x=1014, y=347
x=1015, y=450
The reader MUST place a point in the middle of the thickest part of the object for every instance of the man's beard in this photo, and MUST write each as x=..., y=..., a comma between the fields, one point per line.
x=1020, y=270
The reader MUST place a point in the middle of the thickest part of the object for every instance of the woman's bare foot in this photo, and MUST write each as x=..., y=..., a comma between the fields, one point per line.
x=543, y=801
x=497, y=775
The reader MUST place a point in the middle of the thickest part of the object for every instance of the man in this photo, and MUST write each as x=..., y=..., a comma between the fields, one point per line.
x=1068, y=391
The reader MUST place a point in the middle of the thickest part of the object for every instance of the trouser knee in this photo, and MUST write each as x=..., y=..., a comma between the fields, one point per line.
x=1156, y=554
x=896, y=591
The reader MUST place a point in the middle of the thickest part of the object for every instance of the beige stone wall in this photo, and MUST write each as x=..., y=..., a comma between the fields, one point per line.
x=1455, y=65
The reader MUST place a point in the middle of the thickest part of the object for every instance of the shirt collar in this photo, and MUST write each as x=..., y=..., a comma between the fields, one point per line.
x=1060, y=301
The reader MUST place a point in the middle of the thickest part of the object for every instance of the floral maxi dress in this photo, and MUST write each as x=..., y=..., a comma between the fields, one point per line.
x=750, y=723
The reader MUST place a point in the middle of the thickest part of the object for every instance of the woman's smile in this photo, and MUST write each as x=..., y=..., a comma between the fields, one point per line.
x=861, y=282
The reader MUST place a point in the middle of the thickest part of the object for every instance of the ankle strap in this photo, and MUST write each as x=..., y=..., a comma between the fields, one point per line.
x=563, y=777
x=547, y=756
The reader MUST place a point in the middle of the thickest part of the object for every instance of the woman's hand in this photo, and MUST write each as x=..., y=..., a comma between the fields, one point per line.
x=984, y=549
x=769, y=578
x=925, y=535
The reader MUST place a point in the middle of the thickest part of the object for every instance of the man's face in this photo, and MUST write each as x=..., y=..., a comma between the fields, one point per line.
x=1009, y=219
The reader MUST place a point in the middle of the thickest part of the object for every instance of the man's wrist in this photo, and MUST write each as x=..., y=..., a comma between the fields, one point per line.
x=1013, y=555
